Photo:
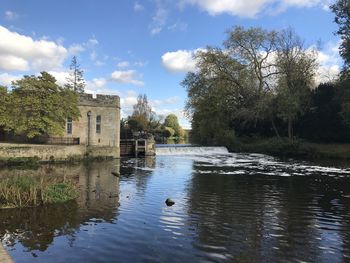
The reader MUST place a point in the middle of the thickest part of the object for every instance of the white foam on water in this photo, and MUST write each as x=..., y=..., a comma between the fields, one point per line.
x=235, y=163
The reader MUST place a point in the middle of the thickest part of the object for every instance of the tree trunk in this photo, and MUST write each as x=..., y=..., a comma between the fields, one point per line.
x=290, y=128
x=274, y=127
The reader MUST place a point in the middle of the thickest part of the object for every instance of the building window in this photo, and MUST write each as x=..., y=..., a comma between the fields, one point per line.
x=98, y=124
x=69, y=126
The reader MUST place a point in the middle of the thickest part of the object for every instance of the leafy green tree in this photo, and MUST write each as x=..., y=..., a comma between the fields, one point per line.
x=40, y=106
x=258, y=77
x=341, y=9
x=322, y=122
x=76, y=81
x=297, y=68
x=142, y=115
x=172, y=121
x=168, y=132
x=223, y=95
x=5, y=106
x=253, y=49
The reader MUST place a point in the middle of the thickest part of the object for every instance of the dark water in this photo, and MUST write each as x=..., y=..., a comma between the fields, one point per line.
x=229, y=208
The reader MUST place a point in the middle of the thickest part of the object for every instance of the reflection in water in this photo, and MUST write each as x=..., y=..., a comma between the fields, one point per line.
x=253, y=216
x=228, y=208
x=35, y=228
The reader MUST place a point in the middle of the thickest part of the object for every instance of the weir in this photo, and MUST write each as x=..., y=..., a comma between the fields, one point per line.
x=163, y=149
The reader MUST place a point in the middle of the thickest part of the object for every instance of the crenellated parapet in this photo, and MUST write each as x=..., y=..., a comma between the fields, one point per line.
x=99, y=100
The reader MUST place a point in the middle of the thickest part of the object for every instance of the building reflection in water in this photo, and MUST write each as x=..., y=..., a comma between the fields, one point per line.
x=36, y=228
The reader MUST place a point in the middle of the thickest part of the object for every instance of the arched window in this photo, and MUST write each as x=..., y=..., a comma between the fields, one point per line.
x=98, y=124
x=69, y=126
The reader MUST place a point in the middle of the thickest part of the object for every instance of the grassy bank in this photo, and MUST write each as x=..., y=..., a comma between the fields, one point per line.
x=297, y=149
x=26, y=191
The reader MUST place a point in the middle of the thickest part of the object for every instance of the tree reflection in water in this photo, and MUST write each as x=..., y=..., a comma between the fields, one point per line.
x=253, y=218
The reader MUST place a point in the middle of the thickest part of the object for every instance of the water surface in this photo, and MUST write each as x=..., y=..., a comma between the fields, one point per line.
x=229, y=208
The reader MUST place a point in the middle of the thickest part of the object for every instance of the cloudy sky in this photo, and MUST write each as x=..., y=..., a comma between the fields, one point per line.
x=130, y=47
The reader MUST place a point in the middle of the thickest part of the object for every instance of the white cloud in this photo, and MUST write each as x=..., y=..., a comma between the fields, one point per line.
x=126, y=77
x=75, y=49
x=60, y=76
x=171, y=100
x=140, y=63
x=98, y=86
x=99, y=63
x=159, y=20
x=180, y=61
x=127, y=101
x=123, y=64
x=6, y=79
x=178, y=26
x=13, y=63
x=251, y=8
x=93, y=55
x=91, y=43
x=10, y=15
x=99, y=82
x=138, y=7
x=329, y=63
x=19, y=52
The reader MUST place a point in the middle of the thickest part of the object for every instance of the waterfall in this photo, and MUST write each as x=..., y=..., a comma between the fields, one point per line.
x=189, y=150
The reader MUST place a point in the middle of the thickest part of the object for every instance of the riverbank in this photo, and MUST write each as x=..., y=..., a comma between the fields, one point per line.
x=297, y=149
x=4, y=256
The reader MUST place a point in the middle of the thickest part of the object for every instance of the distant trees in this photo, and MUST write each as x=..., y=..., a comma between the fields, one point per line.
x=144, y=121
x=142, y=115
x=172, y=122
x=76, y=81
x=37, y=105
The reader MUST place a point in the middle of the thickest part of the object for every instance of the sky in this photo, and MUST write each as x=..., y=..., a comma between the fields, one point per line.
x=128, y=47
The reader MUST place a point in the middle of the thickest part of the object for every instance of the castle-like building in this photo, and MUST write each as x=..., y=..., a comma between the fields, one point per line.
x=99, y=124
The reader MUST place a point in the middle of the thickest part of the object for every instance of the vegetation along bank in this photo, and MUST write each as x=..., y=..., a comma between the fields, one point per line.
x=259, y=93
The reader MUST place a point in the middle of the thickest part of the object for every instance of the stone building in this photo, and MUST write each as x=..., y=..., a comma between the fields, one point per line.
x=95, y=134
x=99, y=124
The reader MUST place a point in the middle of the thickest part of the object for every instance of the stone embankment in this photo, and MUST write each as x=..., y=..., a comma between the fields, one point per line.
x=55, y=152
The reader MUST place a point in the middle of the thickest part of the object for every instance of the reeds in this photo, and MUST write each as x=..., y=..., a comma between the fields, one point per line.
x=26, y=191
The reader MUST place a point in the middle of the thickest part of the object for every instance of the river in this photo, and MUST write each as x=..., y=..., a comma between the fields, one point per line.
x=228, y=208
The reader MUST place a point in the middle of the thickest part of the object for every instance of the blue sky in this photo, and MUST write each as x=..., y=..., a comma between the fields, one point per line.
x=130, y=47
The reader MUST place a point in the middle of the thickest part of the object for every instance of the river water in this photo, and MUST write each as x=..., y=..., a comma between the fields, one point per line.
x=228, y=208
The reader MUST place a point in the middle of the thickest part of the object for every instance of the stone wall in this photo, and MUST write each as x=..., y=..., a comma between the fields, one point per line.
x=55, y=152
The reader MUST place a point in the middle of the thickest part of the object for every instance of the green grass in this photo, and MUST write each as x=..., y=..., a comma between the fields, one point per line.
x=284, y=148
x=26, y=191
x=60, y=193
